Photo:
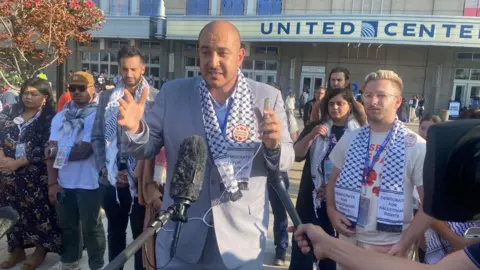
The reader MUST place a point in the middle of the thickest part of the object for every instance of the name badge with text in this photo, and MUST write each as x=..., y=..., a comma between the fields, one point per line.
x=62, y=156
x=242, y=162
x=20, y=151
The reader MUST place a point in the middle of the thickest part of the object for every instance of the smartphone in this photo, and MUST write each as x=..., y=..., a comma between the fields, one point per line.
x=266, y=105
x=472, y=233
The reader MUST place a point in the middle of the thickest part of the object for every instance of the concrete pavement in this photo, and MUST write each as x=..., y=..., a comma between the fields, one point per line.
x=52, y=260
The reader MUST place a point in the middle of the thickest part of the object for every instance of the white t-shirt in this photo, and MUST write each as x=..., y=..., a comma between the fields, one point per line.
x=76, y=174
x=413, y=176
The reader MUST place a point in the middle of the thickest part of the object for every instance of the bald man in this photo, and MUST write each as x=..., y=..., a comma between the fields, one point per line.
x=227, y=225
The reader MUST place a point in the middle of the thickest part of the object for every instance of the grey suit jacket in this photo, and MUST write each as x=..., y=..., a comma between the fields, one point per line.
x=241, y=226
x=98, y=132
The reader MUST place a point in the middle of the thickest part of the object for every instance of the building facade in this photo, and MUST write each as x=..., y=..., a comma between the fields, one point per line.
x=432, y=44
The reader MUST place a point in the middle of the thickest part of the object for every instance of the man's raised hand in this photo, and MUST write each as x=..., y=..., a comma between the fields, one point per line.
x=131, y=112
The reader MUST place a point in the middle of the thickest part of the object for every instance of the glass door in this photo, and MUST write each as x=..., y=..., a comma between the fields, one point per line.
x=192, y=72
x=474, y=96
x=460, y=94
x=310, y=83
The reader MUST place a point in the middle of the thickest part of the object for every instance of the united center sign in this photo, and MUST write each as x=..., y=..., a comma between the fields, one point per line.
x=418, y=30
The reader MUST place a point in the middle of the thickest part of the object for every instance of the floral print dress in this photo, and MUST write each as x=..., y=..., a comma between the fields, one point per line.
x=27, y=190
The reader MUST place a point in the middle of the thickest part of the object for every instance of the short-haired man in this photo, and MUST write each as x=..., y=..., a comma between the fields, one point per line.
x=116, y=165
x=230, y=218
x=73, y=177
x=312, y=108
x=375, y=171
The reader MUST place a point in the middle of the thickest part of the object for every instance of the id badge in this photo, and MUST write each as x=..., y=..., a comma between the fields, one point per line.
x=242, y=162
x=327, y=169
x=363, y=211
x=20, y=151
x=62, y=157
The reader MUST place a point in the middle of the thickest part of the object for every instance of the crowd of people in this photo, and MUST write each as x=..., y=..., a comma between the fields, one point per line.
x=361, y=185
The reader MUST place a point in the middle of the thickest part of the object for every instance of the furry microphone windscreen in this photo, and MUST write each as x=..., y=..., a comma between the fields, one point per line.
x=190, y=169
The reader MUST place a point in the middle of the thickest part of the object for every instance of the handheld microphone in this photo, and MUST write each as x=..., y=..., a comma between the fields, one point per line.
x=8, y=218
x=187, y=181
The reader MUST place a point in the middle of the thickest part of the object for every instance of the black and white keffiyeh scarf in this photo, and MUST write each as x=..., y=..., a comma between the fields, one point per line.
x=74, y=119
x=391, y=198
x=241, y=115
x=111, y=137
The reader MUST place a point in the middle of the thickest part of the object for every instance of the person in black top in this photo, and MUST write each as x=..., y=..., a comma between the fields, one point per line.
x=307, y=111
x=339, y=115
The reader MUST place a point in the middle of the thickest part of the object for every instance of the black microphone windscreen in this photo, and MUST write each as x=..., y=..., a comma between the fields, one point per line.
x=8, y=218
x=190, y=169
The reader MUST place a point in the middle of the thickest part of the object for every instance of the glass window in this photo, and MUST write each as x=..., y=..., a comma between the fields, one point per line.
x=270, y=78
x=476, y=57
x=155, y=59
x=269, y=7
x=86, y=65
x=123, y=43
x=197, y=7
x=97, y=2
x=104, y=68
x=93, y=56
x=155, y=71
x=261, y=50
x=94, y=43
x=272, y=50
x=113, y=70
x=464, y=56
x=259, y=65
x=104, y=56
x=190, y=62
x=119, y=7
x=247, y=64
x=155, y=45
x=475, y=75
x=190, y=74
x=113, y=57
x=271, y=65
x=149, y=7
x=144, y=44
x=259, y=78
x=93, y=67
x=462, y=73
x=197, y=62
x=190, y=47
x=85, y=56
x=232, y=7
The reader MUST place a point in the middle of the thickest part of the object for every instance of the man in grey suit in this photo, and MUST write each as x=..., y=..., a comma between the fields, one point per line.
x=227, y=225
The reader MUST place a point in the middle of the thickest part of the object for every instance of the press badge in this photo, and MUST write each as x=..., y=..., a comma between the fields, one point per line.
x=62, y=156
x=327, y=170
x=363, y=211
x=20, y=151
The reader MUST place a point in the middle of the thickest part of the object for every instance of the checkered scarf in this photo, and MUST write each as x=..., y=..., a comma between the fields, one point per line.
x=74, y=119
x=391, y=200
x=241, y=113
x=111, y=137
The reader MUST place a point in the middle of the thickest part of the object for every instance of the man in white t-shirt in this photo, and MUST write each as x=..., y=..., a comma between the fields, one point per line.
x=372, y=205
x=73, y=178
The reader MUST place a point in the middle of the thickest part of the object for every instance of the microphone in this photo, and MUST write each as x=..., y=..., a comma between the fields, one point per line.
x=8, y=218
x=184, y=190
x=187, y=181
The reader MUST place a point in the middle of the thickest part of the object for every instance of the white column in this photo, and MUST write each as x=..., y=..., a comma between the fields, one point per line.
x=104, y=6
x=134, y=7
x=161, y=9
x=213, y=8
x=250, y=7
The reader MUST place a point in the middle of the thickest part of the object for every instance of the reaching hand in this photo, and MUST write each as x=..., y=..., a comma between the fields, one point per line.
x=53, y=190
x=340, y=222
x=131, y=112
x=318, y=130
x=271, y=128
x=316, y=235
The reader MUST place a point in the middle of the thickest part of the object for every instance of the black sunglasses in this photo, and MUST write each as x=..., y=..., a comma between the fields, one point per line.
x=73, y=88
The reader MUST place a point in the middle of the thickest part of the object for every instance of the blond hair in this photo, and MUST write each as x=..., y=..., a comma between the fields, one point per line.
x=385, y=75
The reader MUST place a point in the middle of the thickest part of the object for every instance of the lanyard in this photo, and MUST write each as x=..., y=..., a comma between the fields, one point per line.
x=376, y=156
x=23, y=126
x=223, y=124
x=331, y=145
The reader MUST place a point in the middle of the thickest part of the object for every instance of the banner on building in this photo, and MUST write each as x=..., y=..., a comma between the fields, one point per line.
x=415, y=30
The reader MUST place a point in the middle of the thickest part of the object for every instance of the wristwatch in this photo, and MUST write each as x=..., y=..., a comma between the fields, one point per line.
x=51, y=151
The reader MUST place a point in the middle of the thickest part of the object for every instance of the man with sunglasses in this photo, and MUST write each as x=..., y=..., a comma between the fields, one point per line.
x=73, y=177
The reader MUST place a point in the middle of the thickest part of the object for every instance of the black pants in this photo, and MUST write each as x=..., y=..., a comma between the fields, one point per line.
x=117, y=215
x=280, y=219
x=301, y=261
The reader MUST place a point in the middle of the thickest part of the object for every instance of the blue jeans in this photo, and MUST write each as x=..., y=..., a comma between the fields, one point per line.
x=280, y=219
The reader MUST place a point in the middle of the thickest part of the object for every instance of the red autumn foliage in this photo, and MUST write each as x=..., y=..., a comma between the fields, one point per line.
x=34, y=33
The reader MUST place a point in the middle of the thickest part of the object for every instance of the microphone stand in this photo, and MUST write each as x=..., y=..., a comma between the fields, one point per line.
x=175, y=212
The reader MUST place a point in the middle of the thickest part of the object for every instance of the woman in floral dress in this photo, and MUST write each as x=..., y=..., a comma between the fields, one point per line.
x=24, y=130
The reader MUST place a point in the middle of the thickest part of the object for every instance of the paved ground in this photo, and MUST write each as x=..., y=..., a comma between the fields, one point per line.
x=294, y=174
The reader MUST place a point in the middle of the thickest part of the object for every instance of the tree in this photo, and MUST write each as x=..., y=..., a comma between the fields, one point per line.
x=34, y=33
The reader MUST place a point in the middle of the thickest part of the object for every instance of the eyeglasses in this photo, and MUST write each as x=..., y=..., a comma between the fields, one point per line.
x=369, y=96
x=73, y=88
